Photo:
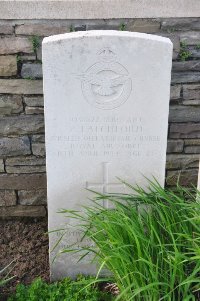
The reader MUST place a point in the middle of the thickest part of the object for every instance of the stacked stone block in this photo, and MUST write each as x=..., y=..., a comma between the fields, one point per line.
x=22, y=144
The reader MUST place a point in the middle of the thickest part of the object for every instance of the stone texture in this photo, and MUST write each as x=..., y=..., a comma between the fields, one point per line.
x=9, y=45
x=38, y=149
x=6, y=29
x=34, y=110
x=191, y=102
x=192, y=150
x=175, y=146
x=22, y=211
x=184, y=130
x=100, y=25
x=14, y=146
x=29, y=164
x=190, y=77
x=146, y=26
x=175, y=92
x=34, y=101
x=184, y=114
x=32, y=197
x=191, y=142
x=8, y=65
x=180, y=24
x=191, y=92
x=190, y=38
x=175, y=40
x=38, y=138
x=195, y=52
x=20, y=86
x=186, y=66
x=182, y=161
x=27, y=57
x=8, y=198
x=1, y=166
x=185, y=178
x=10, y=104
x=20, y=125
x=42, y=29
x=33, y=70
x=22, y=181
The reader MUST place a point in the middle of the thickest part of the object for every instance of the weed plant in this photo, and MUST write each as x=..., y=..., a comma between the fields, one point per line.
x=149, y=241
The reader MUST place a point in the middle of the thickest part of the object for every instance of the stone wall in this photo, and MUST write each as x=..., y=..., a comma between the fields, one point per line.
x=22, y=151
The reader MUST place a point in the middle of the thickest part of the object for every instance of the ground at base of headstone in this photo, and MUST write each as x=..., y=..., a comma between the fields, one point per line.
x=26, y=243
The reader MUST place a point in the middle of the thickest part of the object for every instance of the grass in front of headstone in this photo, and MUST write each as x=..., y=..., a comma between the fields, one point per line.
x=149, y=241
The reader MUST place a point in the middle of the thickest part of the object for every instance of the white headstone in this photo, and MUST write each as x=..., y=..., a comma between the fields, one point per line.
x=106, y=116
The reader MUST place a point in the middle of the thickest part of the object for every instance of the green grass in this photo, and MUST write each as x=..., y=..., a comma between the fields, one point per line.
x=150, y=241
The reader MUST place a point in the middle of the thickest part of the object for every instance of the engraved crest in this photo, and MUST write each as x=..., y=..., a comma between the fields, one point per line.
x=106, y=84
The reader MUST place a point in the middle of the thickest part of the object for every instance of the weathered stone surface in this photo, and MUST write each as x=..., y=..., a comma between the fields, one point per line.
x=34, y=101
x=27, y=57
x=182, y=161
x=190, y=38
x=14, y=146
x=23, y=181
x=191, y=102
x=22, y=211
x=38, y=138
x=188, y=142
x=8, y=65
x=33, y=70
x=6, y=29
x=32, y=197
x=175, y=92
x=185, y=178
x=8, y=198
x=175, y=146
x=186, y=66
x=10, y=104
x=20, y=86
x=175, y=40
x=100, y=25
x=42, y=29
x=182, y=24
x=190, y=77
x=191, y=92
x=184, y=130
x=20, y=125
x=192, y=150
x=146, y=26
x=195, y=52
x=184, y=114
x=38, y=149
x=34, y=110
x=29, y=164
x=1, y=165
x=9, y=45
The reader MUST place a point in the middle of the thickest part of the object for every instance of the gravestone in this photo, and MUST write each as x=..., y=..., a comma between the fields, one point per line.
x=106, y=117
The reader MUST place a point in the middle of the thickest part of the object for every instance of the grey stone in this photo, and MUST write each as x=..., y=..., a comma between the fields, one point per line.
x=32, y=197
x=193, y=150
x=14, y=146
x=175, y=92
x=184, y=130
x=27, y=57
x=34, y=101
x=29, y=164
x=180, y=24
x=6, y=29
x=184, y=114
x=182, y=161
x=10, y=104
x=25, y=169
x=191, y=102
x=38, y=149
x=8, y=65
x=175, y=41
x=9, y=45
x=1, y=165
x=42, y=29
x=191, y=92
x=190, y=38
x=195, y=52
x=175, y=146
x=191, y=142
x=38, y=138
x=22, y=211
x=34, y=110
x=33, y=70
x=20, y=125
x=8, y=198
x=141, y=25
x=189, y=77
x=22, y=181
x=20, y=86
x=186, y=66
x=184, y=178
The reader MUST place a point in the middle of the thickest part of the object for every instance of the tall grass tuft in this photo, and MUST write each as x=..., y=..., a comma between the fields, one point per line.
x=149, y=241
